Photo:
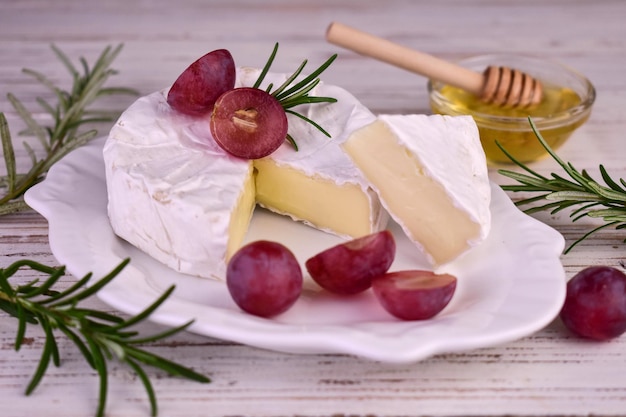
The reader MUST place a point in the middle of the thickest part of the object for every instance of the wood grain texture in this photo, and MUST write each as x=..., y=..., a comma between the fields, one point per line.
x=547, y=373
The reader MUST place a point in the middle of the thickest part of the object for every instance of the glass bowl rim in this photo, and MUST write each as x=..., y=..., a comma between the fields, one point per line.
x=563, y=117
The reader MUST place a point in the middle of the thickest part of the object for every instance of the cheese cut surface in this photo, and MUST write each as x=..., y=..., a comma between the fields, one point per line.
x=431, y=175
x=176, y=195
x=343, y=209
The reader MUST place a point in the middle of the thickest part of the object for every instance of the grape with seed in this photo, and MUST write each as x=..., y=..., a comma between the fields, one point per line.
x=348, y=268
x=414, y=294
x=595, y=303
x=248, y=123
x=264, y=278
x=199, y=86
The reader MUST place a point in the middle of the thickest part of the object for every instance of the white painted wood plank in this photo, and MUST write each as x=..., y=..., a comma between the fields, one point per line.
x=548, y=373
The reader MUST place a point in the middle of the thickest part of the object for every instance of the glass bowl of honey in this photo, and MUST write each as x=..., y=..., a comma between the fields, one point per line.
x=566, y=104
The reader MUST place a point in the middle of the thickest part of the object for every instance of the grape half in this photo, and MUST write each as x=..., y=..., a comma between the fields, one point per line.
x=348, y=268
x=264, y=278
x=198, y=87
x=414, y=294
x=248, y=123
x=595, y=303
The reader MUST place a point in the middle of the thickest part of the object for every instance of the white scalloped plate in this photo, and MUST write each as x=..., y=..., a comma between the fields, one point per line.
x=510, y=286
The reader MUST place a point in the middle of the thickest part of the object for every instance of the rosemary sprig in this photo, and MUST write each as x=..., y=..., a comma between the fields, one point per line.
x=69, y=116
x=294, y=95
x=98, y=335
x=604, y=201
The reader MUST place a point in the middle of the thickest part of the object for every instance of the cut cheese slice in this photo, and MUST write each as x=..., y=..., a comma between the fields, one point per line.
x=431, y=175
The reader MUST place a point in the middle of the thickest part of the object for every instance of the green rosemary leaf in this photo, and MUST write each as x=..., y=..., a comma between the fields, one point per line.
x=31, y=153
x=292, y=142
x=306, y=119
x=64, y=60
x=607, y=193
x=46, y=355
x=8, y=307
x=582, y=211
x=26, y=263
x=60, y=94
x=573, y=196
x=612, y=214
x=289, y=80
x=62, y=294
x=517, y=188
x=147, y=385
x=84, y=350
x=586, y=235
x=9, y=153
x=117, y=91
x=302, y=92
x=527, y=179
x=609, y=181
x=307, y=100
x=147, y=311
x=160, y=336
x=99, y=315
x=164, y=364
x=267, y=66
x=31, y=124
x=518, y=163
x=22, y=321
x=544, y=207
x=527, y=200
x=566, y=184
x=100, y=366
x=88, y=292
x=45, y=287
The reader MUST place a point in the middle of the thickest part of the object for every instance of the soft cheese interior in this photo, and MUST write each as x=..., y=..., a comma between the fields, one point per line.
x=176, y=195
x=431, y=175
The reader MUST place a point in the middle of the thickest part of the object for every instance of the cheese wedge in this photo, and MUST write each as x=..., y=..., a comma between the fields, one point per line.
x=430, y=173
x=173, y=193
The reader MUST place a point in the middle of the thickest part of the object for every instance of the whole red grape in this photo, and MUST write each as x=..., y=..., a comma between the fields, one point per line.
x=264, y=278
x=595, y=303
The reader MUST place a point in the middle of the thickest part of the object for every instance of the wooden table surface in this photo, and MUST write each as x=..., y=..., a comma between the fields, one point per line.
x=546, y=373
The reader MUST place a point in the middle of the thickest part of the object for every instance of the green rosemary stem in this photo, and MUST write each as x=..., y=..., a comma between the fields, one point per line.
x=581, y=192
x=70, y=113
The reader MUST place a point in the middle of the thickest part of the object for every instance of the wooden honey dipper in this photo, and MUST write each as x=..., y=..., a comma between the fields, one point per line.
x=499, y=85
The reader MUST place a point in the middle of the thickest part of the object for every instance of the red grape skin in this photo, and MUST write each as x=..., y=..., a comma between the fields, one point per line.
x=595, y=303
x=348, y=268
x=198, y=87
x=248, y=123
x=264, y=278
x=414, y=294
